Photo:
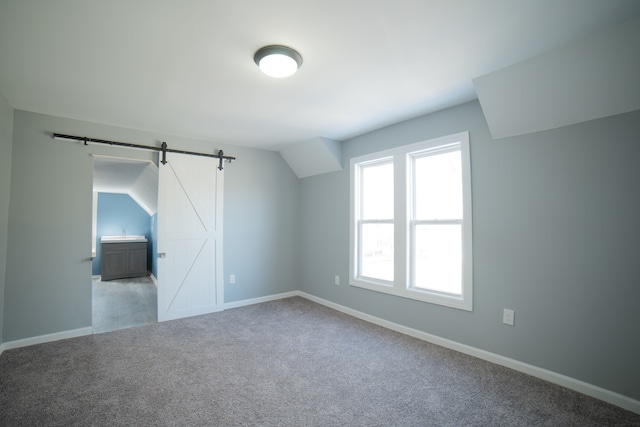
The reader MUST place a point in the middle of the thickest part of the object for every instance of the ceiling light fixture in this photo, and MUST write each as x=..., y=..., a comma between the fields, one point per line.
x=278, y=61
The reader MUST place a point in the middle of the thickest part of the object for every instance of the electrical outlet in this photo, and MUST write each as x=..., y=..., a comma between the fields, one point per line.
x=508, y=316
x=336, y=280
x=232, y=279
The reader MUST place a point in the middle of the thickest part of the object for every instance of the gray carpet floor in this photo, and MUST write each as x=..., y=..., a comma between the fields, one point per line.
x=123, y=303
x=283, y=363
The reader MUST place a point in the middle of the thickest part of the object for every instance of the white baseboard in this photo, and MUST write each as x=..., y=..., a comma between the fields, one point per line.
x=88, y=330
x=153, y=279
x=553, y=377
x=46, y=338
x=259, y=300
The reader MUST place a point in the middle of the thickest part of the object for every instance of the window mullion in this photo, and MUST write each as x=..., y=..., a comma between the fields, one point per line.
x=401, y=216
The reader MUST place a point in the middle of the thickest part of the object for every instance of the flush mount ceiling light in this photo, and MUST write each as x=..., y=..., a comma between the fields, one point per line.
x=278, y=61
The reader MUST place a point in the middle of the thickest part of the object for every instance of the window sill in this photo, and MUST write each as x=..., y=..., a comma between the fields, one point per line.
x=451, y=301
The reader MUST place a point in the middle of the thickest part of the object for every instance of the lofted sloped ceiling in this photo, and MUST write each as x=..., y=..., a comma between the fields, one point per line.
x=186, y=67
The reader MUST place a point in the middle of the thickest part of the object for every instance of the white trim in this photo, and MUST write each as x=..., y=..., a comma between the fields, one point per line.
x=41, y=339
x=153, y=279
x=243, y=303
x=94, y=220
x=600, y=393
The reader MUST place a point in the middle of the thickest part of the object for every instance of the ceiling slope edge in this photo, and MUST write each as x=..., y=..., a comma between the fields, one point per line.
x=137, y=178
x=145, y=189
x=314, y=157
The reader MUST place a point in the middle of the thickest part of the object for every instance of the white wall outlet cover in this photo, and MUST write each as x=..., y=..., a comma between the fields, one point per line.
x=336, y=280
x=232, y=279
x=508, y=317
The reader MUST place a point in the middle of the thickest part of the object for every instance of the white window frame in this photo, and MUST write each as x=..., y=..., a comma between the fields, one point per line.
x=359, y=222
x=404, y=224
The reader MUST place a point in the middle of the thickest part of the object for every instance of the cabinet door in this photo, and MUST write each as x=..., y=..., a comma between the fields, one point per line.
x=137, y=262
x=113, y=263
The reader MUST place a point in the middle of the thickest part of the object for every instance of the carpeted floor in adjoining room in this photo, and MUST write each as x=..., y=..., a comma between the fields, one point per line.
x=283, y=363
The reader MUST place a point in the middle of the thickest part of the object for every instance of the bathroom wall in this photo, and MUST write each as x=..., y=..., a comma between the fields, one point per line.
x=118, y=213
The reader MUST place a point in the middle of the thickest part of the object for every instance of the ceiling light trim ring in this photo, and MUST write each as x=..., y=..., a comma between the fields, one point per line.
x=277, y=50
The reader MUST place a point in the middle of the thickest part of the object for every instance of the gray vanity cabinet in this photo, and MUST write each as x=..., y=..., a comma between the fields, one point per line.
x=123, y=260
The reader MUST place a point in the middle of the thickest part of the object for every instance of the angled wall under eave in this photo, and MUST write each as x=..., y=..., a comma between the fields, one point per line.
x=595, y=77
x=315, y=157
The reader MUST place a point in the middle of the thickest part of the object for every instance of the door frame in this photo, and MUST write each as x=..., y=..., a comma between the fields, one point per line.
x=94, y=209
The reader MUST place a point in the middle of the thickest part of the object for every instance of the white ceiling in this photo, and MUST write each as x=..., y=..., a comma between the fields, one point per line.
x=186, y=67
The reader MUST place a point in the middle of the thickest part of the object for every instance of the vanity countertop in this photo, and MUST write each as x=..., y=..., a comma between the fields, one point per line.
x=122, y=239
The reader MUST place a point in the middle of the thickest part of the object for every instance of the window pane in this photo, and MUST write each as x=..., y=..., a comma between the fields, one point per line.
x=376, y=255
x=438, y=258
x=377, y=191
x=438, y=186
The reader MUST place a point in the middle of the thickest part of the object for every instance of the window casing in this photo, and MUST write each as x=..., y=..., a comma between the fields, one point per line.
x=411, y=224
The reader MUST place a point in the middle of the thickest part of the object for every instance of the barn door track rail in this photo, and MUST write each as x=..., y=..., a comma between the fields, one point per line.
x=164, y=149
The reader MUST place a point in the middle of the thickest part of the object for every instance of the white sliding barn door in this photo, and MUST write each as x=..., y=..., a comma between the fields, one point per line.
x=190, y=279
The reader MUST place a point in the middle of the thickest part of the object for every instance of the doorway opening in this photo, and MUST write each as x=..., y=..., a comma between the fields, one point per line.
x=124, y=242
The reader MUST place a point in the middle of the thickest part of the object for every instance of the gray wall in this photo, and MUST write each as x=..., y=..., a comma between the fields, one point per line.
x=48, y=280
x=556, y=238
x=260, y=224
x=6, y=136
